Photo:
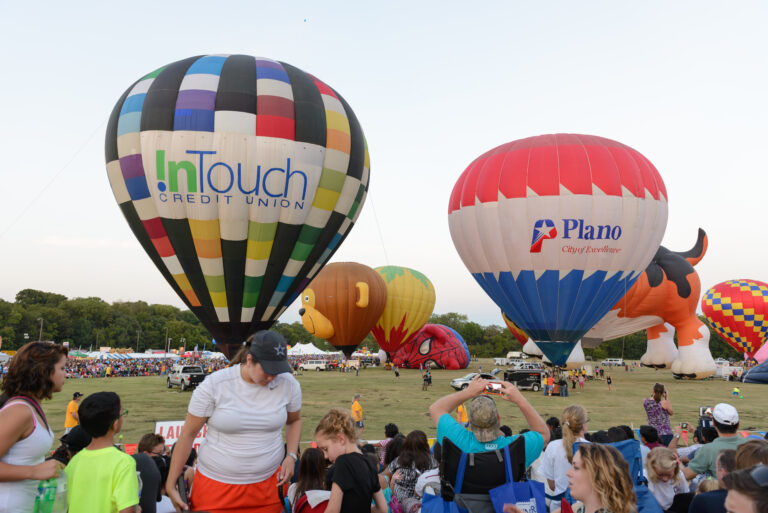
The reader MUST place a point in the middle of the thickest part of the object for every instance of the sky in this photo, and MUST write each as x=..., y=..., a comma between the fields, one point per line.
x=433, y=84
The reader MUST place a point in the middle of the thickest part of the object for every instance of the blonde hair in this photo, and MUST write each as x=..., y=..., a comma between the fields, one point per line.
x=708, y=485
x=609, y=475
x=574, y=418
x=663, y=459
x=337, y=422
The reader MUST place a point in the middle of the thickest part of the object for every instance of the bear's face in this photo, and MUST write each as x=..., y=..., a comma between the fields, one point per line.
x=313, y=320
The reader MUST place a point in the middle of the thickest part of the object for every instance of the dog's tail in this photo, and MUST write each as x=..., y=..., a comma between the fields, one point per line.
x=697, y=252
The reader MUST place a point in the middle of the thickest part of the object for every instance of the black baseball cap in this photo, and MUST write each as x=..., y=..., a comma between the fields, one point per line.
x=270, y=349
x=76, y=395
x=77, y=439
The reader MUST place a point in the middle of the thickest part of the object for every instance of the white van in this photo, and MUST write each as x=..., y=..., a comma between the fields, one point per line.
x=612, y=362
x=516, y=355
x=318, y=365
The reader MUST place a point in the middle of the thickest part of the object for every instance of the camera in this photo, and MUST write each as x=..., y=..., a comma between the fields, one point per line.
x=494, y=388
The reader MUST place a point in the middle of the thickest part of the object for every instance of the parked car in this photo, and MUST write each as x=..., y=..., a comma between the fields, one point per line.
x=317, y=365
x=525, y=379
x=612, y=362
x=185, y=376
x=462, y=383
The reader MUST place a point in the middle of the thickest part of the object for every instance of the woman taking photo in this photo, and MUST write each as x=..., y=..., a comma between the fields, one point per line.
x=246, y=407
x=658, y=408
x=36, y=372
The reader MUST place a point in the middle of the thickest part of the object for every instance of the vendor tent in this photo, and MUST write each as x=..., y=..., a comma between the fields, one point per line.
x=304, y=349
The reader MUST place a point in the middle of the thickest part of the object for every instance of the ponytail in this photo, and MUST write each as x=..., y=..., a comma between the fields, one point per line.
x=574, y=419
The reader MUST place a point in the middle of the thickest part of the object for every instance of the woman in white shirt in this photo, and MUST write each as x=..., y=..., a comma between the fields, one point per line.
x=246, y=406
x=558, y=456
x=36, y=372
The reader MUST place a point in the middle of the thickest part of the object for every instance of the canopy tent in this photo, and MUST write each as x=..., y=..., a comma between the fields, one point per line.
x=305, y=349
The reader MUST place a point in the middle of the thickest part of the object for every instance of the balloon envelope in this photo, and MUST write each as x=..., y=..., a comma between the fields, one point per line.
x=436, y=345
x=342, y=304
x=556, y=228
x=738, y=311
x=410, y=301
x=240, y=176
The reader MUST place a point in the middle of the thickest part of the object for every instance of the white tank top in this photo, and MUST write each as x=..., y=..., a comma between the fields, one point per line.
x=19, y=496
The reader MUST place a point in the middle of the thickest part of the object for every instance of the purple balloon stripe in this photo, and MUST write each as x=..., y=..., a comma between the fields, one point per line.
x=132, y=166
x=196, y=99
x=260, y=63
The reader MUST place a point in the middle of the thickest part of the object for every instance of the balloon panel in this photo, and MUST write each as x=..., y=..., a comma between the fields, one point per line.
x=410, y=301
x=240, y=176
x=557, y=228
x=738, y=311
x=519, y=334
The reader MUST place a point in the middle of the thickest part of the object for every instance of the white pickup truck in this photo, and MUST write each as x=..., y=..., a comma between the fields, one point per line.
x=185, y=376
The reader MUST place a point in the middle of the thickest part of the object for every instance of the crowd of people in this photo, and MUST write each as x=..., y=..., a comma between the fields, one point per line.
x=97, y=368
x=252, y=410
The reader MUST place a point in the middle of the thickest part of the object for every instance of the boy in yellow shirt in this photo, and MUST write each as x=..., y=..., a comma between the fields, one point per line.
x=71, y=419
x=357, y=415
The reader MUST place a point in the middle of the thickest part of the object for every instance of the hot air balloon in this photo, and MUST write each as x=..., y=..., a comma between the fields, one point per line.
x=435, y=345
x=738, y=311
x=410, y=301
x=519, y=334
x=240, y=176
x=556, y=228
x=342, y=304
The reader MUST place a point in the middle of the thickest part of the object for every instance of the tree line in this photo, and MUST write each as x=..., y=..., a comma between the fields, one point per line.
x=91, y=322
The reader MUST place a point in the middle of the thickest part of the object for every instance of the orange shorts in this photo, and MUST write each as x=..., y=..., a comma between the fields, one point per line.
x=215, y=497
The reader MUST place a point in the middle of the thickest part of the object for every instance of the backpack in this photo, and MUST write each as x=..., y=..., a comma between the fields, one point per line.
x=302, y=506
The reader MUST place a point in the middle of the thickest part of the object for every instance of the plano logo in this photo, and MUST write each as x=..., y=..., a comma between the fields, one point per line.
x=542, y=230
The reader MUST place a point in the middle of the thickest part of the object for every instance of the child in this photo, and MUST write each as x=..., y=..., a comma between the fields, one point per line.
x=311, y=478
x=353, y=480
x=100, y=477
x=666, y=479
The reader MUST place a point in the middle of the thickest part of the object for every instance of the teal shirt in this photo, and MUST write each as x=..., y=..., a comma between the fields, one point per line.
x=465, y=440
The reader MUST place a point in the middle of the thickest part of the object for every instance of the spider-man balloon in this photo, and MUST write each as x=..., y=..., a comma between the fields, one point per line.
x=438, y=345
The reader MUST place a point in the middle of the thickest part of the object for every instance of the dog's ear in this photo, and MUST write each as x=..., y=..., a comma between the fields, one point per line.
x=362, y=294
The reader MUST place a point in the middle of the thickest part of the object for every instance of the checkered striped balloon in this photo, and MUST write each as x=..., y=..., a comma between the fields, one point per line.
x=738, y=311
x=556, y=229
x=240, y=176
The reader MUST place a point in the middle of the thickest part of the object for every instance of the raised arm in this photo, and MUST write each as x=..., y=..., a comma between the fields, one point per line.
x=448, y=403
x=535, y=422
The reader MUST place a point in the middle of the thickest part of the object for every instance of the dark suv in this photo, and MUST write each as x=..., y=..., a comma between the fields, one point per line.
x=525, y=379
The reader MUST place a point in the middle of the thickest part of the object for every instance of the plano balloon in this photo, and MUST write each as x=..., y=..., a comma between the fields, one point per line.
x=240, y=176
x=556, y=228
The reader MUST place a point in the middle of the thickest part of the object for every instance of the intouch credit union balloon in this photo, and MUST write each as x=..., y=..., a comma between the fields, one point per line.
x=410, y=301
x=738, y=311
x=240, y=176
x=342, y=304
x=556, y=228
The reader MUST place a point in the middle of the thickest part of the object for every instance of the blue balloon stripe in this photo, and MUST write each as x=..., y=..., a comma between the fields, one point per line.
x=583, y=304
x=133, y=103
x=129, y=123
x=567, y=294
x=194, y=119
x=137, y=188
x=548, y=286
x=284, y=283
x=210, y=64
x=509, y=293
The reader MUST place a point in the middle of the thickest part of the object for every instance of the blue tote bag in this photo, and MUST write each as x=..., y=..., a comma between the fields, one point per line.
x=528, y=496
x=436, y=503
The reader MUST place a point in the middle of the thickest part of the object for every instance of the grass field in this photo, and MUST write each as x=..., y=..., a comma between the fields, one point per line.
x=387, y=399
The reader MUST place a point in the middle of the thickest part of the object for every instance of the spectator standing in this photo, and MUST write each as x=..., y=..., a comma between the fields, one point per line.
x=70, y=418
x=484, y=423
x=100, y=477
x=35, y=373
x=558, y=456
x=609, y=380
x=581, y=382
x=245, y=407
x=550, y=384
x=356, y=410
x=352, y=480
x=659, y=409
x=149, y=457
x=726, y=421
x=390, y=431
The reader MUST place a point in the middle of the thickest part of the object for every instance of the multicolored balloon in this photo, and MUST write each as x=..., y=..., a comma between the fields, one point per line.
x=342, y=304
x=240, y=176
x=594, y=211
x=738, y=311
x=410, y=301
x=519, y=334
x=434, y=344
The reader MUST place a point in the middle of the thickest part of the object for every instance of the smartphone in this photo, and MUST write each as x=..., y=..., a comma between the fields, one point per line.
x=183, y=489
x=684, y=425
x=495, y=388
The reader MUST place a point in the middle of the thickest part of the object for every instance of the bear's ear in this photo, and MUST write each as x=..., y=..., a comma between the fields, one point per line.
x=362, y=294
